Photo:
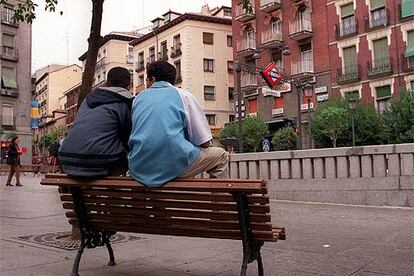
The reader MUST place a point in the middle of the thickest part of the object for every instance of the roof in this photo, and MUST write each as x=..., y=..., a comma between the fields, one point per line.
x=186, y=16
x=157, y=18
x=221, y=8
x=105, y=39
x=173, y=12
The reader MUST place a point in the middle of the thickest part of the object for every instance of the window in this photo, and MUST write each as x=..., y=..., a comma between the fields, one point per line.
x=167, y=17
x=208, y=65
x=306, y=57
x=278, y=102
x=209, y=93
x=176, y=40
x=230, y=66
x=8, y=78
x=350, y=60
x=383, y=97
x=229, y=41
x=412, y=85
x=304, y=17
x=348, y=19
x=227, y=13
x=211, y=119
x=178, y=69
x=141, y=79
x=231, y=93
x=164, y=51
x=208, y=38
x=141, y=60
x=8, y=14
x=381, y=53
x=8, y=45
x=276, y=26
x=378, y=13
x=232, y=118
x=151, y=55
x=277, y=59
x=409, y=52
x=252, y=106
x=407, y=8
x=352, y=94
x=7, y=115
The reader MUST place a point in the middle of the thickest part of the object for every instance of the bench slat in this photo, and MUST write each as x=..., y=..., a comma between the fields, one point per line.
x=170, y=204
x=232, y=216
x=210, y=185
x=198, y=223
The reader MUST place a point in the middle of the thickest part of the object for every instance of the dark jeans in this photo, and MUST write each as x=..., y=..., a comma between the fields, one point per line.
x=14, y=169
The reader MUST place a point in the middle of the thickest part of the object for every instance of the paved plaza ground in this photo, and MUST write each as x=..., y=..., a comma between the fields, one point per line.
x=322, y=239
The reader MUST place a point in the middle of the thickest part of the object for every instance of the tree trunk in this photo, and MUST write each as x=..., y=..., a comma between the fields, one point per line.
x=94, y=41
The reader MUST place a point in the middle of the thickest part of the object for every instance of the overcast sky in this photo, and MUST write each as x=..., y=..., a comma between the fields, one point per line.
x=62, y=39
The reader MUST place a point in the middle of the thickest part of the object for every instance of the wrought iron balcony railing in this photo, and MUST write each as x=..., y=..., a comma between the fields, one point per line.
x=346, y=28
x=377, y=19
x=176, y=50
x=380, y=67
x=349, y=74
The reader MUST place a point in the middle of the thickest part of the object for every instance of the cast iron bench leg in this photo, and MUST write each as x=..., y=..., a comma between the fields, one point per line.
x=111, y=254
x=75, y=268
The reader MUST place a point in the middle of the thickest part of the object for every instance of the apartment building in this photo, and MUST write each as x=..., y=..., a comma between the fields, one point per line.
x=51, y=83
x=114, y=51
x=268, y=27
x=15, y=66
x=72, y=95
x=199, y=45
x=371, y=47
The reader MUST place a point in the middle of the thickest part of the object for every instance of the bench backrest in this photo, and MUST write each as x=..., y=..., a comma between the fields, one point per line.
x=193, y=207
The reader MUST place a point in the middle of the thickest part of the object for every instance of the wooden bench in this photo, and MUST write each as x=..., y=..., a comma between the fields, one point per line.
x=207, y=208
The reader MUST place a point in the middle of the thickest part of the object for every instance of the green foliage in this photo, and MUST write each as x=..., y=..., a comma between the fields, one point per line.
x=1, y=131
x=254, y=128
x=368, y=127
x=398, y=120
x=53, y=136
x=330, y=122
x=247, y=6
x=26, y=10
x=284, y=139
x=10, y=136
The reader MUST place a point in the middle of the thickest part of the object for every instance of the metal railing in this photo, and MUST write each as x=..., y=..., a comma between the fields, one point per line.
x=379, y=67
x=246, y=44
x=271, y=35
x=346, y=28
x=379, y=20
x=300, y=67
x=176, y=50
x=302, y=25
x=163, y=55
x=348, y=74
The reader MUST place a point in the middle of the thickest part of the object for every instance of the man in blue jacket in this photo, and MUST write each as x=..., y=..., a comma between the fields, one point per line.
x=97, y=143
x=170, y=135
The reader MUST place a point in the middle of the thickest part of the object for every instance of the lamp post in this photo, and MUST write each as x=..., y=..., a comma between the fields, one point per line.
x=238, y=69
x=308, y=92
x=352, y=106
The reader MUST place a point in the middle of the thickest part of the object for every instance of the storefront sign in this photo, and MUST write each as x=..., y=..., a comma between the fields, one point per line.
x=277, y=90
x=304, y=107
x=277, y=111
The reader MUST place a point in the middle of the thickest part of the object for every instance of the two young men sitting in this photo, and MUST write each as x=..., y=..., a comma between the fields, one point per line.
x=166, y=129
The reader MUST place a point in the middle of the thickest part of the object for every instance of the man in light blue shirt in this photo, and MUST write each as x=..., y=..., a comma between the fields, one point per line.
x=170, y=135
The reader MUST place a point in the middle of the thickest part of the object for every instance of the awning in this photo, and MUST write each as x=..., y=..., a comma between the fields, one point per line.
x=407, y=8
x=347, y=10
x=9, y=81
x=410, y=43
x=383, y=92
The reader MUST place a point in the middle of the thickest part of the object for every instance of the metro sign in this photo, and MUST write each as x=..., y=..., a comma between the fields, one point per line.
x=272, y=75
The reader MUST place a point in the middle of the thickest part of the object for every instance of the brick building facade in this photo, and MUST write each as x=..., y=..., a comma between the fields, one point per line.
x=371, y=46
x=272, y=25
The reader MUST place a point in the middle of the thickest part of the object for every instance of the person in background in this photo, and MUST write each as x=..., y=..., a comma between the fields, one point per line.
x=13, y=160
x=170, y=136
x=97, y=143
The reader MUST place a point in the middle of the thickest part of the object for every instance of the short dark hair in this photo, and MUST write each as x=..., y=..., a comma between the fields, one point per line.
x=119, y=77
x=162, y=71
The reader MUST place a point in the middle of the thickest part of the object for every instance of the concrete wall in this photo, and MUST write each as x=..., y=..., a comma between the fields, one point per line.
x=371, y=175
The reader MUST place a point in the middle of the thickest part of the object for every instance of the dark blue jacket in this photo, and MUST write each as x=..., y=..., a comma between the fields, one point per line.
x=97, y=143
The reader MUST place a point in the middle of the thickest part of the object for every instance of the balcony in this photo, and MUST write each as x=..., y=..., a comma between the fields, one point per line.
x=6, y=18
x=242, y=15
x=140, y=66
x=302, y=69
x=270, y=5
x=249, y=84
x=176, y=50
x=376, y=20
x=379, y=68
x=10, y=92
x=346, y=29
x=407, y=64
x=349, y=74
x=9, y=53
x=246, y=47
x=130, y=59
x=163, y=55
x=300, y=29
x=101, y=63
x=272, y=39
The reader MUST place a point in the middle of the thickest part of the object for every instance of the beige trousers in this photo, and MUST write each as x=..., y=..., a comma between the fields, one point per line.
x=213, y=160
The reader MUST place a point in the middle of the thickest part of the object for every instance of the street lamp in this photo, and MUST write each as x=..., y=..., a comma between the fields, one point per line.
x=308, y=88
x=352, y=106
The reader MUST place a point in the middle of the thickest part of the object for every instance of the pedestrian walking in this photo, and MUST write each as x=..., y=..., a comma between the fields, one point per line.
x=13, y=160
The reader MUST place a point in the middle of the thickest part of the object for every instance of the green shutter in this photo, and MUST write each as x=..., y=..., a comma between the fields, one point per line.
x=347, y=10
x=410, y=45
x=407, y=8
x=381, y=49
x=350, y=56
x=383, y=92
x=375, y=4
x=8, y=78
x=8, y=40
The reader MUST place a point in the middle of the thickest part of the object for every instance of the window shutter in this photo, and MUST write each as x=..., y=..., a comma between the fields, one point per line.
x=383, y=92
x=381, y=49
x=7, y=115
x=375, y=4
x=208, y=38
x=350, y=58
x=407, y=8
x=8, y=40
x=8, y=78
x=410, y=44
x=347, y=10
x=278, y=102
x=253, y=106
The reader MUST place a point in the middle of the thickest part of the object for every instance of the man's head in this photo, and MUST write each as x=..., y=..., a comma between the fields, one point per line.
x=119, y=77
x=161, y=71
